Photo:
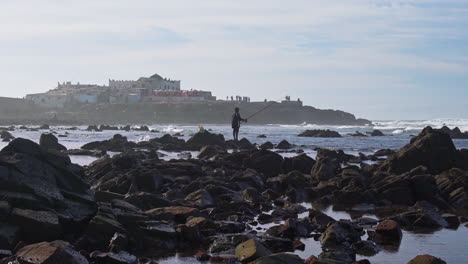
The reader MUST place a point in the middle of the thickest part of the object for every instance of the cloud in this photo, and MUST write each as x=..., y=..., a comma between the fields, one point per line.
x=260, y=48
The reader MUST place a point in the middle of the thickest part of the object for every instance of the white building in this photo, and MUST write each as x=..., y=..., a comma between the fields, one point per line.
x=153, y=83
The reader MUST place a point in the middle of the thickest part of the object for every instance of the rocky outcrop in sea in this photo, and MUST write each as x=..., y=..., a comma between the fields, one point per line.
x=135, y=207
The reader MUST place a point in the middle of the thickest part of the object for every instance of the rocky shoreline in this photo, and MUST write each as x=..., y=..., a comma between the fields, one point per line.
x=136, y=208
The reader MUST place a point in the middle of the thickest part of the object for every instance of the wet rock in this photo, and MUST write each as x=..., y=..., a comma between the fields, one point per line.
x=242, y=144
x=44, y=126
x=251, y=250
x=174, y=213
x=37, y=225
x=230, y=227
x=252, y=195
x=200, y=198
x=427, y=219
x=290, y=229
x=266, y=162
x=49, y=252
x=426, y=259
x=366, y=248
x=452, y=220
x=431, y=148
x=298, y=245
x=294, y=179
x=453, y=185
x=325, y=169
x=9, y=236
x=377, y=133
x=205, y=138
x=118, y=143
x=93, y=128
x=6, y=136
x=358, y=134
x=284, y=144
x=341, y=233
x=48, y=193
x=121, y=257
x=338, y=256
x=279, y=258
x=125, y=128
x=387, y=232
x=334, y=155
x=384, y=152
x=320, y=133
x=84, y=152
x=210, y=151
x=302, y=163
x=142, y=128
x=107, y=127
x=168, y=139
x=159, y=229
x=455, y=133
x=184, y=155
x=267, y=145
x=321, y=220
x=118, y=242
x=261, y=136
x=50, y=142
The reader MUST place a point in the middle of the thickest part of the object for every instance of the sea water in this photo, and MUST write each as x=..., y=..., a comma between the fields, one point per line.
x=447, y=244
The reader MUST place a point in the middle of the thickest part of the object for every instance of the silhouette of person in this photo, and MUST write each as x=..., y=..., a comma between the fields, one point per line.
x=236, y=121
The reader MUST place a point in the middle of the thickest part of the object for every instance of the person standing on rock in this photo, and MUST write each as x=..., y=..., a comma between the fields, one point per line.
x=236, y=121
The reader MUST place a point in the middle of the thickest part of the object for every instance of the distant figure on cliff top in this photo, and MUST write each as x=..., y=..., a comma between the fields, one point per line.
x=236, y=121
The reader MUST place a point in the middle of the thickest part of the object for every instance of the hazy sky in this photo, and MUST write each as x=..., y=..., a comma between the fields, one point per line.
x=376, y=59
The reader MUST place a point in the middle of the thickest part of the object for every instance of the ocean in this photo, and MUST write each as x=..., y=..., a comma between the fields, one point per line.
x=447, y=244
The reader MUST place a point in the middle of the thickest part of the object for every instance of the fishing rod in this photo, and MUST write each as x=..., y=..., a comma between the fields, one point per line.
x=263, y=109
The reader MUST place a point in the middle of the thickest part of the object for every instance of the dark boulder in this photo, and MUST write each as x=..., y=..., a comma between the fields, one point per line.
x=358, y=134
x=334, y=155
x=279, y=258
x=341, y=233
x=50, y=142
x=302, y=163
x=251, y=250
x=325, y=169
x=204, y=138
x=49, y=252
x=320, y=133
x=426, y=259
x=178, y=214
x=431, y=148
x=377, y=133
x=386, y=232
x=118, y=143
x=93, y=128
x=107, y=127
x=208, y=152
x=6, y=136
x=455, y=133
x=284, y=144
x=384, y=152
x=266, y=162
x=336, y=256
x=267, y=145
x=48, y=194
x=453, y=185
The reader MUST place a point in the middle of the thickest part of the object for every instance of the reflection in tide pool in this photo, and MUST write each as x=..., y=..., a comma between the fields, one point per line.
x=447, y=244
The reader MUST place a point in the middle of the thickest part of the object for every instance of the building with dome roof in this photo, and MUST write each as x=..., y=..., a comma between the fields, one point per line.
x=152, y=83
x=146, y=89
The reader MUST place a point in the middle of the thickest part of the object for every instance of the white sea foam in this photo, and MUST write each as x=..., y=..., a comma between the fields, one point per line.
x=172, y=129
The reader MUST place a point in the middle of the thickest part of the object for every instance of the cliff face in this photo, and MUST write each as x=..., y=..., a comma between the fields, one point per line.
x=212, y=113
x=183, y=113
